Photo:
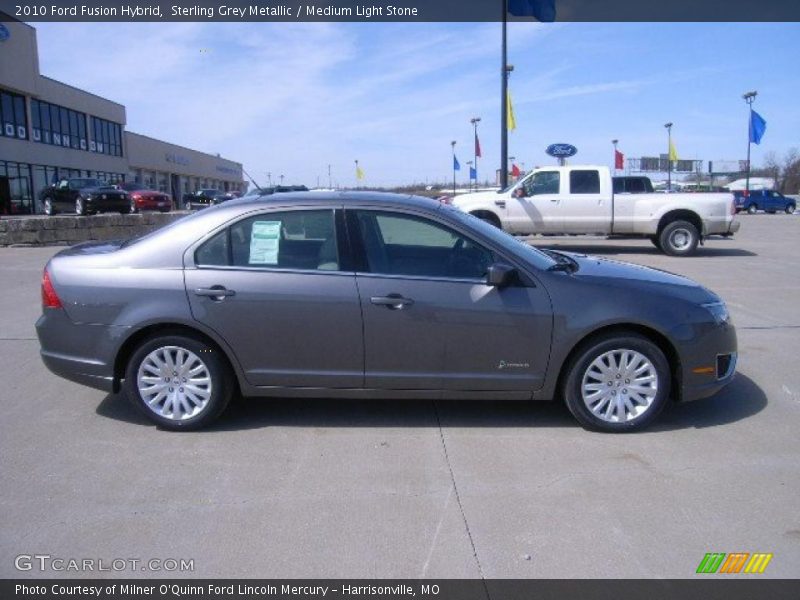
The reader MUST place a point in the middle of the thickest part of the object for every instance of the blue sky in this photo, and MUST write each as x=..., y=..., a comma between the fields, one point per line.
x=293, y=98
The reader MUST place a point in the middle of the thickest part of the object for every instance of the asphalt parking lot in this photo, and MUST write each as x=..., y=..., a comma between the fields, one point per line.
x=329, y=488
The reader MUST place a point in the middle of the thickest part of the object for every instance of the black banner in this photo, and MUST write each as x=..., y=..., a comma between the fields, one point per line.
x=727, y=588
x=400, y=10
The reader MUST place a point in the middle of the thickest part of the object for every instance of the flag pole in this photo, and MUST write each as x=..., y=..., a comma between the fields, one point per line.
x=504, y=104
x=615, y=142
x=453, y=145
x=475, y=121
x=749, y=97
x=669, y=156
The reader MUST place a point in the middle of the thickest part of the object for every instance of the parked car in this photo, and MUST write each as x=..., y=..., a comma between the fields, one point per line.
x=85, y=196
x=581, y=200
x=632, y=184
x=147, y=199
x=372, y=295
x=767, y=200
x=200, y=199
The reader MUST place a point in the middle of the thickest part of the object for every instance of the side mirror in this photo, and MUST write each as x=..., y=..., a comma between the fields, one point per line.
x=500, y=274
x=520, y=192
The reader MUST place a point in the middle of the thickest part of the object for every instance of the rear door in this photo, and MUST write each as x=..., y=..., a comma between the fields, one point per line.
x=276, y=287
x=586, y=207
x=430, y=320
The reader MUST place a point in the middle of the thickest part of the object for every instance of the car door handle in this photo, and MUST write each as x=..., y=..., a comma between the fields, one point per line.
x=215, y=292
x=553, y=199
x=392, y=301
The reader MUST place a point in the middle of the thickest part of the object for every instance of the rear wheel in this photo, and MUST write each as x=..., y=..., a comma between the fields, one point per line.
x=617, y=383
x=178, y=382
x=679, y=238
x=790, y=208
x=752, y=209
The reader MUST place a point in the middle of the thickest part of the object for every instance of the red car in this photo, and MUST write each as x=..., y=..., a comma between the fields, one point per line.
x=146, y=199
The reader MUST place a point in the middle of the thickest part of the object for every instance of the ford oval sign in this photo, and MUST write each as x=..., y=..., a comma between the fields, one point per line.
x=561, y=150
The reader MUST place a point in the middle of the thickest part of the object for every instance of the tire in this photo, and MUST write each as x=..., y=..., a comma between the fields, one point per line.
x=132, y=210
x=80, y=207
x=610, y=412
x=656, y=242
x=679, y=238
x=752, y=209
x=790, y=208
x=49, y=209
x=196, y=408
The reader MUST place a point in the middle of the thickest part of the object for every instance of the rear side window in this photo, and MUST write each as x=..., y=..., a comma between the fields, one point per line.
x=302, y=240
x=585, y=182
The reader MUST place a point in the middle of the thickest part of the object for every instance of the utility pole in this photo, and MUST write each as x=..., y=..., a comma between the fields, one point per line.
x=269, y=178
x=749, y=97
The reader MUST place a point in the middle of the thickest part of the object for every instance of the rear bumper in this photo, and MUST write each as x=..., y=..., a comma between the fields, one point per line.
x=80, y=353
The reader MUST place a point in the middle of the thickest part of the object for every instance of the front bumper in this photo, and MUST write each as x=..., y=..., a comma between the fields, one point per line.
x=708, y=362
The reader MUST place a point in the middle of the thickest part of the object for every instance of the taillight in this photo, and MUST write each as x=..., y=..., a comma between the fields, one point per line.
x=49, y=297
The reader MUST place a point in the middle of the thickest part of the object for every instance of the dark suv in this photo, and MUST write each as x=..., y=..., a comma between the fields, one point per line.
x=767, y=200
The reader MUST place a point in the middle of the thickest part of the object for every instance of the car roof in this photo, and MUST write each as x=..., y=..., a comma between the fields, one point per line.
x=333, y=198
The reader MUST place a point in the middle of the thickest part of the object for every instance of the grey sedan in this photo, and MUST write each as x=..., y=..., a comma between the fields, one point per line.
x=342, y=295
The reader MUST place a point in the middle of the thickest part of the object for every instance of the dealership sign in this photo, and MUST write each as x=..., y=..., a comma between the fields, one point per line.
x=561, y=150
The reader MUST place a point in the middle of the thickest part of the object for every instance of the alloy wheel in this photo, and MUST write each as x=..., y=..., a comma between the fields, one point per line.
x=174, y=383
x=619, y=385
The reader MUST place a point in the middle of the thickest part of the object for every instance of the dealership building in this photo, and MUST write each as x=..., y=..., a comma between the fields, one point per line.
x=50, y=130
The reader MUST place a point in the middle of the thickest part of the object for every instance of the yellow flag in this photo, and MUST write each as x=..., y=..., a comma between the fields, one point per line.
x=673, y=153
x=359, y=172
x=511, y=121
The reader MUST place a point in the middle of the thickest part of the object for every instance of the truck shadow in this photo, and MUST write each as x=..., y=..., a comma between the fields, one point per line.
x=613, y=248
x=739, y=400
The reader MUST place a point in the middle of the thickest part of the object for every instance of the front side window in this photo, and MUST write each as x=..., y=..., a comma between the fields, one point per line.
x=585, y=182
x=299, y=240
x=400, y=244
x=543, y=182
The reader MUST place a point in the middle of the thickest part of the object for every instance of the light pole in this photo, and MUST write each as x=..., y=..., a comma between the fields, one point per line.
x=269, y=178
x=669, y=156
x=475, y=121
x=281, y=179
x=453, y=146
x=504, y=70
x=749, y=97
x=615, y=142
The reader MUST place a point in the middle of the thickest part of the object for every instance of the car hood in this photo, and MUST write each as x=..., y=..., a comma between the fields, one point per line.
x=619, y=273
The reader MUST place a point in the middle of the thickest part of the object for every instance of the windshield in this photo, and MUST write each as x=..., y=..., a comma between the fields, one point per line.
x=497, y=235
x=78, y=184
x=132, y=187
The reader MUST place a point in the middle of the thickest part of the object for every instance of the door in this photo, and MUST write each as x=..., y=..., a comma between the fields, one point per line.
x=536, y=211
x=274, y=287
x=586, y=207
x=430, y=320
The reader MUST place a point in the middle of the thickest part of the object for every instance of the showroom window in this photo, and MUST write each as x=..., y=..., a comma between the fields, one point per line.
x=12, y=116
x=401, y=244
x=58, y=126
x=106, y=137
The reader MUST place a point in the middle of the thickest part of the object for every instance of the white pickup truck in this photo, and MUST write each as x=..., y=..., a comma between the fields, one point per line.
x=580, y=200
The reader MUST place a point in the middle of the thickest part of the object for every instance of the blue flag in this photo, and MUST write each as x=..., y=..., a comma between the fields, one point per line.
x=473, y=173
x=456, y=164
x=757, y=127
x=542, y=10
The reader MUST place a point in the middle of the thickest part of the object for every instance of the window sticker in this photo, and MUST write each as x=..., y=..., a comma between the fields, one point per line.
x=264, y=242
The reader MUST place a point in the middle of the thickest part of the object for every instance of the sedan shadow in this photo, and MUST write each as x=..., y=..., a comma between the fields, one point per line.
x=739, y=400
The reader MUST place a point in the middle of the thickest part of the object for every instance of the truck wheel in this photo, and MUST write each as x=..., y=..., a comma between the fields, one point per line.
x=679, y=238
x=656, y=242
x=790, y=208
x=488, y=217
x=752, y=209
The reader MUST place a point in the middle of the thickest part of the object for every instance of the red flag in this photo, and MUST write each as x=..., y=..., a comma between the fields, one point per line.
x=477, y=146
x=515, y=172
x=619, y=160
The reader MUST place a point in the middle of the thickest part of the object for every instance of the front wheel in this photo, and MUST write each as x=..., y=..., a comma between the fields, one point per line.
x=49, y=209
x=617, y=383
x=679, y=238
x=752, y=209
x=790, y=208
x=80, y=208
x=178, y=382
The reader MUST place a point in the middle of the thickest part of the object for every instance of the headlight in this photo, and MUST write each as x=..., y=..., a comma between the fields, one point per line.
x=719, y=311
